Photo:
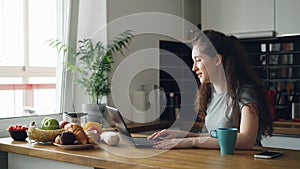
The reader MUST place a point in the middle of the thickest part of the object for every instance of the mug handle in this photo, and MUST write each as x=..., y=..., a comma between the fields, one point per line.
x=213, y=133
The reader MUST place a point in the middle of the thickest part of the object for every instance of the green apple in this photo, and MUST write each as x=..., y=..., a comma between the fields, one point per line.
x=50, y=124
x=46, y=118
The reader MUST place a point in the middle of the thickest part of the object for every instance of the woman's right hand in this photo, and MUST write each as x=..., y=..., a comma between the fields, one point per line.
x=168, y=134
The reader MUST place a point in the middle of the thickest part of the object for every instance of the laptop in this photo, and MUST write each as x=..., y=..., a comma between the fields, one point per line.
x=117, y=119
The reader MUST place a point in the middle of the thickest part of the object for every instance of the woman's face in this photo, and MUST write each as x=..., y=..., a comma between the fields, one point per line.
x=203, y=64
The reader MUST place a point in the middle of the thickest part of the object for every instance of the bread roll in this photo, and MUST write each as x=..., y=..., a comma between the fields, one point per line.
x=78, y=131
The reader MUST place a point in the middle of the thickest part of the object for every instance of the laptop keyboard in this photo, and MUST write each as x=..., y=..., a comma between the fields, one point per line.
x=143, y=141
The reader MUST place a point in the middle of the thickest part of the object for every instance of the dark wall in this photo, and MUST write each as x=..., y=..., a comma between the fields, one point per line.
x=177, y=77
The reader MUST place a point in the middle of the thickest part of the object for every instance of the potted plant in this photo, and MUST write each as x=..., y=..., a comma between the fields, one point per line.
x=93, y=62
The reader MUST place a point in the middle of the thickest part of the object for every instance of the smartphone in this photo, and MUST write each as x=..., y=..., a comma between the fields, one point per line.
x=268, y=154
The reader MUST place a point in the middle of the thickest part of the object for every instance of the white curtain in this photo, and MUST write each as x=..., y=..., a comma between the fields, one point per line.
x=67, y=16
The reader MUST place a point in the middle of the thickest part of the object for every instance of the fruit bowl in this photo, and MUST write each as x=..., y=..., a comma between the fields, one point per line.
x=18, y=135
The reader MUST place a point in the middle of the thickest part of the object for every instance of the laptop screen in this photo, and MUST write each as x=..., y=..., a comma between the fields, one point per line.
x=119, y=122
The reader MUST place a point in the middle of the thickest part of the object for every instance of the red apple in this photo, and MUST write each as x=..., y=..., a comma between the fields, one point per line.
x=63, y=123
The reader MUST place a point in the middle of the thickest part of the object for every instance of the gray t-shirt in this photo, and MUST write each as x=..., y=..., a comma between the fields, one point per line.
x=215, y=114
x=216, y=110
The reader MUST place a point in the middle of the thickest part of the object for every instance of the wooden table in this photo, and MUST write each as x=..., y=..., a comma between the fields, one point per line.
x=102, y=157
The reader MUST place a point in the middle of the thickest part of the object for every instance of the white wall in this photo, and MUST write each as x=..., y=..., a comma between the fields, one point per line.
x=150, y=21
x=93, y=17
x=96, y=14
x=91, y=24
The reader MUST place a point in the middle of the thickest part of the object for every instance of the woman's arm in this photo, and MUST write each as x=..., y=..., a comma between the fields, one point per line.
x=248, y=127
x=245, y=140
x=248, y=130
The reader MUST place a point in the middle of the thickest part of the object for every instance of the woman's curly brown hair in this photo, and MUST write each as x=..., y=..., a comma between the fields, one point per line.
x=239, y=76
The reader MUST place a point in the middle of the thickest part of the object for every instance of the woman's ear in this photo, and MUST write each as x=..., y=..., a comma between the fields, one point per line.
x=219, y=59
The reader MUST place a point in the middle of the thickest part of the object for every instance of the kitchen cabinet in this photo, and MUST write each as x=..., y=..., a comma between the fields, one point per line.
x=23, y=161
x=286, y=13
x=237, y=16
x=243, y=16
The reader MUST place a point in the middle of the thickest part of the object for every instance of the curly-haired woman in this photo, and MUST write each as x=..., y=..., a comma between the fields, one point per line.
x=230, y=95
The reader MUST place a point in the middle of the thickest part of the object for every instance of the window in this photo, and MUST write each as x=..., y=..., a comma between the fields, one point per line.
x=27, y=63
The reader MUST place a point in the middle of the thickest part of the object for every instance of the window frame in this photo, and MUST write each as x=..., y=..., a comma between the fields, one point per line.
x=67, y=15
x=26, y=71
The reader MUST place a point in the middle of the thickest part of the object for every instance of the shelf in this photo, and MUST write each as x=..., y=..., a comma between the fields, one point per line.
x=272, y=53
x=282, y=79
x=282, y=52
x=158, y=125
x=141, y=127
x=288, y=124
x=287, y=127
x=277, y=64
x=282, y=66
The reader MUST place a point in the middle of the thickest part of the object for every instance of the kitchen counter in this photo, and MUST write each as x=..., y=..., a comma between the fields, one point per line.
x=101, y=157
x=286, y=127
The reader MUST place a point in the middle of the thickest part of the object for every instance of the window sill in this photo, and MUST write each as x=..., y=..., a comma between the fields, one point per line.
x=26, y=120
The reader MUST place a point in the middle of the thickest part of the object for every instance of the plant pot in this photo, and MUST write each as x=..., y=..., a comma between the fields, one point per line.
x=96, y=113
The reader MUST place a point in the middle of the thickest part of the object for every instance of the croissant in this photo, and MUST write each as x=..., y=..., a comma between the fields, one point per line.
x=78, y=131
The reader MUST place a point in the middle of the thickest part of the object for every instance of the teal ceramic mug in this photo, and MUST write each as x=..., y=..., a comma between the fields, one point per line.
x=227, y=139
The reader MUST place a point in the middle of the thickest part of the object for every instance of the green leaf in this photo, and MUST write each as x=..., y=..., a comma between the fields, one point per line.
x=93, y=62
